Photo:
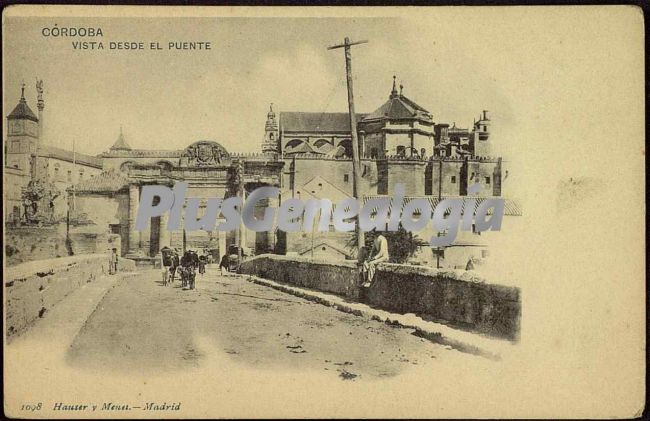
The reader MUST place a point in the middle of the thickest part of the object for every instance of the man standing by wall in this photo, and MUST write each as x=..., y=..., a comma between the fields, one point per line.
x=112, y=263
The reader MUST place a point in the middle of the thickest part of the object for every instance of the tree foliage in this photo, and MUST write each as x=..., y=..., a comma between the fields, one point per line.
x=402, y=244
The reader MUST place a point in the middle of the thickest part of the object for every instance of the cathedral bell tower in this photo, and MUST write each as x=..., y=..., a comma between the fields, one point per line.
x=271, y=141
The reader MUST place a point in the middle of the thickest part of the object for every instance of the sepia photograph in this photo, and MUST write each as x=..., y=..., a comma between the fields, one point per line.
x=323, y=212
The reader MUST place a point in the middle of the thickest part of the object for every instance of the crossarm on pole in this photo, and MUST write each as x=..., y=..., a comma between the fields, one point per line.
x=347, y=44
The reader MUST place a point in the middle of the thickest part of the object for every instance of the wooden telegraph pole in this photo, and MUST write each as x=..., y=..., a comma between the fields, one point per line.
x=356, y=164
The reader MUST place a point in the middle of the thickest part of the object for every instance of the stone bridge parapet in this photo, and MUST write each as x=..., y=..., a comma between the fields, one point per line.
x=33, y=288
x=458, y=298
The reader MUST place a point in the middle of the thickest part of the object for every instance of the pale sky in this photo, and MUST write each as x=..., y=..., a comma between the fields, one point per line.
x=548, y=82
x=169, y=99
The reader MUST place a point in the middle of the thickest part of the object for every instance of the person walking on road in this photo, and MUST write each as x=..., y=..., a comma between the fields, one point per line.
x=224, y=265
x=166, y=255
x=175, y=264
x=203, y=260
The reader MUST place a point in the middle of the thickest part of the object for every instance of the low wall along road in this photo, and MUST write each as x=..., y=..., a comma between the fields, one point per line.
x=460, y=299
x=33, y=288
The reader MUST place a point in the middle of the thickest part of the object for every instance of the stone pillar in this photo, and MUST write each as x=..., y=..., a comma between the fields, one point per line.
x=134, y=236
x=242, y=226
x=273, y=202
x=165, y=237
x=145, y=238
x=222, y=244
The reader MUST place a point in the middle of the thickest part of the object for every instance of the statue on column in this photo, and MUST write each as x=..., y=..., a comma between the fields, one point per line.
x=39, y=91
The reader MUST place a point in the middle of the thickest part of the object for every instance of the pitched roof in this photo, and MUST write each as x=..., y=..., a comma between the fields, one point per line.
x=316, y=122
x=22, y=111
x=106, y=182
x=512, y=207
x=399, y=107
x=303, y=147
x=308, y=248
x=337, y=152
x=65, y=155
x=320, y=188
x=120, y=143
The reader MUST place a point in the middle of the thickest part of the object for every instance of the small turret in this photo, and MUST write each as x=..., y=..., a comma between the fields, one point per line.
x=482, y=126
x=481, y=135
x=120, y=144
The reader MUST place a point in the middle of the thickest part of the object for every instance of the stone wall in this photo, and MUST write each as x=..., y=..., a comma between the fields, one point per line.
x=304, y=272
x=407, y=172
x=33, y=288
x=24, y=244
x=27, y=244
x=332, y=170
x=458, y=298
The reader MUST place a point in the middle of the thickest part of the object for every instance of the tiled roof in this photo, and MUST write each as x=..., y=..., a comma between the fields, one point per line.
x=65, y=155
x=142, y=153
x=512, y=206
x=457, y=130
x=399, y=107
x=106, y=182
x=316, y=122
x=22, y=111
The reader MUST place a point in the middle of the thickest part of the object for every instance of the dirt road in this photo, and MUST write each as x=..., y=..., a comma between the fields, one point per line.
x=230, y=348
x=144, y=326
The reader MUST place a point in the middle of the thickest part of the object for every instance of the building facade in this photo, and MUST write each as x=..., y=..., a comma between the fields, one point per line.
x=30, y=157
x=306, y=155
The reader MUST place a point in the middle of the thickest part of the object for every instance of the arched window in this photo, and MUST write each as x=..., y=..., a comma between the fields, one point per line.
x=347, y=146
x=126, y=165
x=321, y=143
x=165, y=165
x=401, y=151
x=293, y=143
x=69, y=176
